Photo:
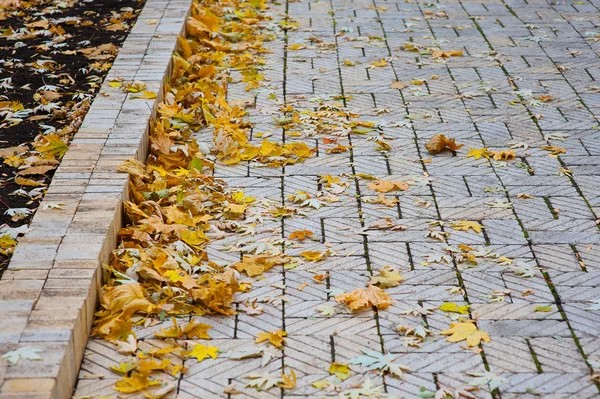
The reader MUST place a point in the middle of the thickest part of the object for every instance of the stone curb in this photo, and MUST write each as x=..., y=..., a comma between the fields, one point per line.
x=49, y=293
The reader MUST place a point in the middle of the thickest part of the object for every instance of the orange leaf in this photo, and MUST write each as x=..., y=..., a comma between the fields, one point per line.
x=365, y=298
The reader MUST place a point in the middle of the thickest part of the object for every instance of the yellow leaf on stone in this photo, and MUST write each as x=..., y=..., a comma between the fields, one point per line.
x=296, y=46
x=321, y=384
x=365, y=298
x=135, y=383
x=454, y=308
x=288, y=382
x=195, y=329
x=554, y=150
x=340, y=370
x=387, y=277
x=465, y=225
x=478, y=153
x=276, y=338
x=313, y=256
x=201, y=352
x=466, y=331
x=381, y=63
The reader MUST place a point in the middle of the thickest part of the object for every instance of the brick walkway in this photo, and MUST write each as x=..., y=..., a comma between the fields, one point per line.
x=538, y=210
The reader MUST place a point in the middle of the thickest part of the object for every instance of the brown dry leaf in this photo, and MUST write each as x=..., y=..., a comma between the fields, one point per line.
x=11, y=151
x=440, y=142
x=503, y=155
x=398, y=85
x=446, y=54
x=383, y=200
x=365, y=298
x=36, y=170
x=302, y=286
x=385, y=186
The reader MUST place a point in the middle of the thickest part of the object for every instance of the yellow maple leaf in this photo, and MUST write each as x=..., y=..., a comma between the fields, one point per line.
x=201, y=352
x=258, y=264
x=387, y=277
x=365, y=298
x=274, y=337
x=135, y=383
x=478, y=153
x=127, y=299
x=7, y=244
x=296, y=46
x=465, y=225
x=381, y=63
x=466, y=331
x=340, y=370
x=288, y=382
x=174, y=331
x=195, y=329
x=454, y=308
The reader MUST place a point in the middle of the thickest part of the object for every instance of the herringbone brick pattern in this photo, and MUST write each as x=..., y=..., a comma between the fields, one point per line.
x=540, y=211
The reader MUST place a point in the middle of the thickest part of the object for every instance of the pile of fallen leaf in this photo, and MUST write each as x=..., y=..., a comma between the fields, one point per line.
x=161, y=272
x=53, y=58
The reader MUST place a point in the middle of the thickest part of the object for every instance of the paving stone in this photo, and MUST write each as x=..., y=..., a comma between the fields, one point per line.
x=472, y=98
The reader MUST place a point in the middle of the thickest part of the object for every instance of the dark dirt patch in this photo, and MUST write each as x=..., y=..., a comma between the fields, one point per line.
x=44, y=60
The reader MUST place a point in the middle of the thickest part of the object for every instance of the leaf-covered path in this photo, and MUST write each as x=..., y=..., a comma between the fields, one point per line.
x=489, y=253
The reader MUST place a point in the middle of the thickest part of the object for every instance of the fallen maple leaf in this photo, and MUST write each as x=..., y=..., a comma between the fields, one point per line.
x=274, y=337
x=454, y=308
x=385, y=186
x=398, y=85
x=340, y=370
x=288, y=382
x=262, y=382
x=301, y=235
x=374, y=360
x=365, y=298
x=201, y=352
x=387, y=277
x=503, y=155
x=478, y=153
x=313, y=256
x=440, y=142
x=465, y=225
x=135, y=383
x=195, y=329
x=466, y=331
x=25, y=352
